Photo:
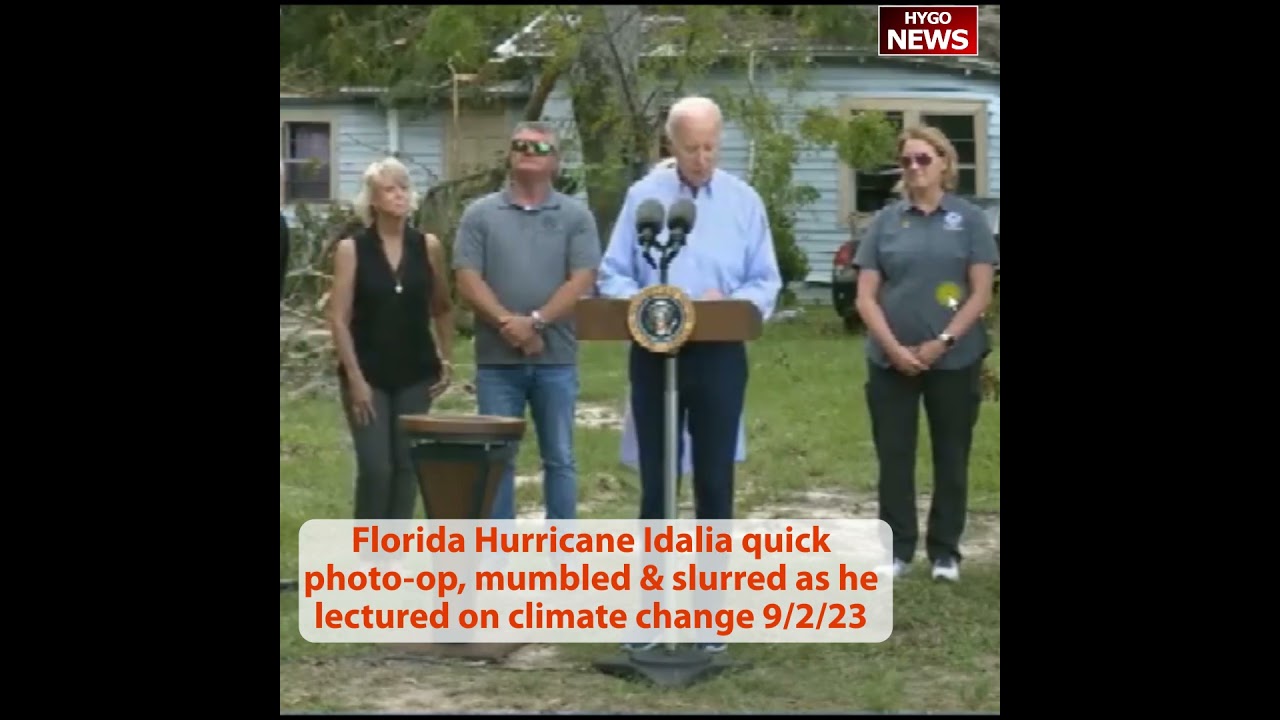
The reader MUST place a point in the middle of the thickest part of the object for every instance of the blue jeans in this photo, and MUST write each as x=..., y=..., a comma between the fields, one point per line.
x=551, y=392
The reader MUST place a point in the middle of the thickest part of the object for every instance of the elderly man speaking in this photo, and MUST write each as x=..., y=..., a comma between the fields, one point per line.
x=729, y=254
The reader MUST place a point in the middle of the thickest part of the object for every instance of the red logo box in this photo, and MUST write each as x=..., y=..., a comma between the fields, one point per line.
x=929, y=30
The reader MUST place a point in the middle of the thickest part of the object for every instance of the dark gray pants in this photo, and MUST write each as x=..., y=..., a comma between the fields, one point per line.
x=952, y=399
x=386, y=482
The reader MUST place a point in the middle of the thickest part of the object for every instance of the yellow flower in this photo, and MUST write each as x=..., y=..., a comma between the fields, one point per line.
x=948, y=294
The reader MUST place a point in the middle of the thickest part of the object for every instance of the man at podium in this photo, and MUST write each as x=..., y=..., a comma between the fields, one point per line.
x=728, y=254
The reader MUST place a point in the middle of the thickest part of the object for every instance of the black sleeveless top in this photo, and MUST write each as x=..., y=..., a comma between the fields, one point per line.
x=391, y=328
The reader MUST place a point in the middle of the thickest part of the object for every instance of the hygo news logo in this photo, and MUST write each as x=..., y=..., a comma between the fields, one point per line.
x=936, y=30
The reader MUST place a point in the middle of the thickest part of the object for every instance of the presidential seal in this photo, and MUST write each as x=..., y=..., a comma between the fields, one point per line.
x=661, y=318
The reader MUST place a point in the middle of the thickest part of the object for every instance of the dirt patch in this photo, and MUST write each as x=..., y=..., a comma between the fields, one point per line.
x=461, y=398
x=982, y=533
x=592, y=415
x=536, y=657
x=421, y=695
x=981, y=539
x=396, y=684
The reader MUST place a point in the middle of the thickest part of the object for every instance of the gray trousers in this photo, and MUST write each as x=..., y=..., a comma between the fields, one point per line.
x=386, y=482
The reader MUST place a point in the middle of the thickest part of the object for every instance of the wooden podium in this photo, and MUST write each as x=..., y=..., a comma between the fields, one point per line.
x=717, y=320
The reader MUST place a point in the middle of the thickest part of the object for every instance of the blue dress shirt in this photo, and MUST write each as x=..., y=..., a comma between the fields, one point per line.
x=730, y=248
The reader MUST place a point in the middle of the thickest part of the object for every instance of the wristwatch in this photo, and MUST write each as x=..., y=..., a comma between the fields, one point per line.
x=538, y=323
x=948, y=340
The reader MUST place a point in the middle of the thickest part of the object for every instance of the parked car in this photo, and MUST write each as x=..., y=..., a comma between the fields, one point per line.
x=844, y=276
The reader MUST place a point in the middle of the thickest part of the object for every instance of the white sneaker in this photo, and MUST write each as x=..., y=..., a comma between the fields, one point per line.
x=898, y=569
x=946, y=569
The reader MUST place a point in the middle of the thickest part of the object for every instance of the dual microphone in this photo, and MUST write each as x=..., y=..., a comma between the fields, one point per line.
x=650, y=217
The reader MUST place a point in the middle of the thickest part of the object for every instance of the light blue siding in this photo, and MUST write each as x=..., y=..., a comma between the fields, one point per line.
x=363, y=133
x=361, y=137
x=820, y=230
x=422, y=146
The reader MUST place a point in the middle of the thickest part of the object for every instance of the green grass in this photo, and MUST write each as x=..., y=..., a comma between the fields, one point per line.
x=807, y=431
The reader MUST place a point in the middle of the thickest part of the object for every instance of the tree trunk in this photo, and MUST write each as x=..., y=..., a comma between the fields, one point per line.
x=538, y=100
x=605, y=107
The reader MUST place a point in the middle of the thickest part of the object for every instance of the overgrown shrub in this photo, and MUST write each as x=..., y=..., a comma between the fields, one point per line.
x=772, y=176
x=312, y=240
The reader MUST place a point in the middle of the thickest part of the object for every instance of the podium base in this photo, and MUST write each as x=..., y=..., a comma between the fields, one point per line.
x=678, y=668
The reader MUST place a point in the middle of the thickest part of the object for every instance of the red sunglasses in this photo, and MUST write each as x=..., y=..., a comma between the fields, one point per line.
x=921, y=159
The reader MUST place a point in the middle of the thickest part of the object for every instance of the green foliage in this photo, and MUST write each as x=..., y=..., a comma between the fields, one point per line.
x=842, y=25
x=863, y=141
x=771, y=175
x=407, y=48
x=312, y=240
x=617, y=96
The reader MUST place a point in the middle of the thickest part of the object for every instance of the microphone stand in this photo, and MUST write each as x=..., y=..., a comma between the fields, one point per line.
x=668, y=667
x=667, y=252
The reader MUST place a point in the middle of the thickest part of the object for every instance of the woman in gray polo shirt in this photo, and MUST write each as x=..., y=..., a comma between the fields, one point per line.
x=924, y=280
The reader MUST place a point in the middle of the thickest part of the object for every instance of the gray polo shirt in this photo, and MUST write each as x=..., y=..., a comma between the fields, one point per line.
x=923, y=260
x=525, y=254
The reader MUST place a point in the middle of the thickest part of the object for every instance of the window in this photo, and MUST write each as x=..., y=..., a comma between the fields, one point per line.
x=873, y=189
x=305, y=147
x=962, y=131
x=963, y=122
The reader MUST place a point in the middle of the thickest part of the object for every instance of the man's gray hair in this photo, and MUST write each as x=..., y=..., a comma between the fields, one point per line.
x=542, y=128
x=692, y=107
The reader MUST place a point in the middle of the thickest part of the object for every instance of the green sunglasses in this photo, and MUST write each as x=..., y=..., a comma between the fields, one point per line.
x=533, y=147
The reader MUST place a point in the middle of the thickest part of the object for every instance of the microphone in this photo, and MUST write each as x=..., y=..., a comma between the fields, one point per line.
x=680, y=221
x=649, y=218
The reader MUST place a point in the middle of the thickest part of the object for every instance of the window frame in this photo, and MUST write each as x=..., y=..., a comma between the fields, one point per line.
x=912, y=109
x=292, y=116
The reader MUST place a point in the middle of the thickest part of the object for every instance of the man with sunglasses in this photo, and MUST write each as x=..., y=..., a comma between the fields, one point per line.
x=728, y=254
x=522, y=257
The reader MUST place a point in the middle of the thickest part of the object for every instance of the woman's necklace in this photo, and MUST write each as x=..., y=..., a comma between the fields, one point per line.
x=395, y=269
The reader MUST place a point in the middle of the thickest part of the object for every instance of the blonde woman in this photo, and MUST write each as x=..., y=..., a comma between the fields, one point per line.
x=389, y=289
x=925, y=276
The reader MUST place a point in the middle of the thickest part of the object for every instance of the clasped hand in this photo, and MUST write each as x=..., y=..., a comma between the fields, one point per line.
x=917, y=358
x=518, y=331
